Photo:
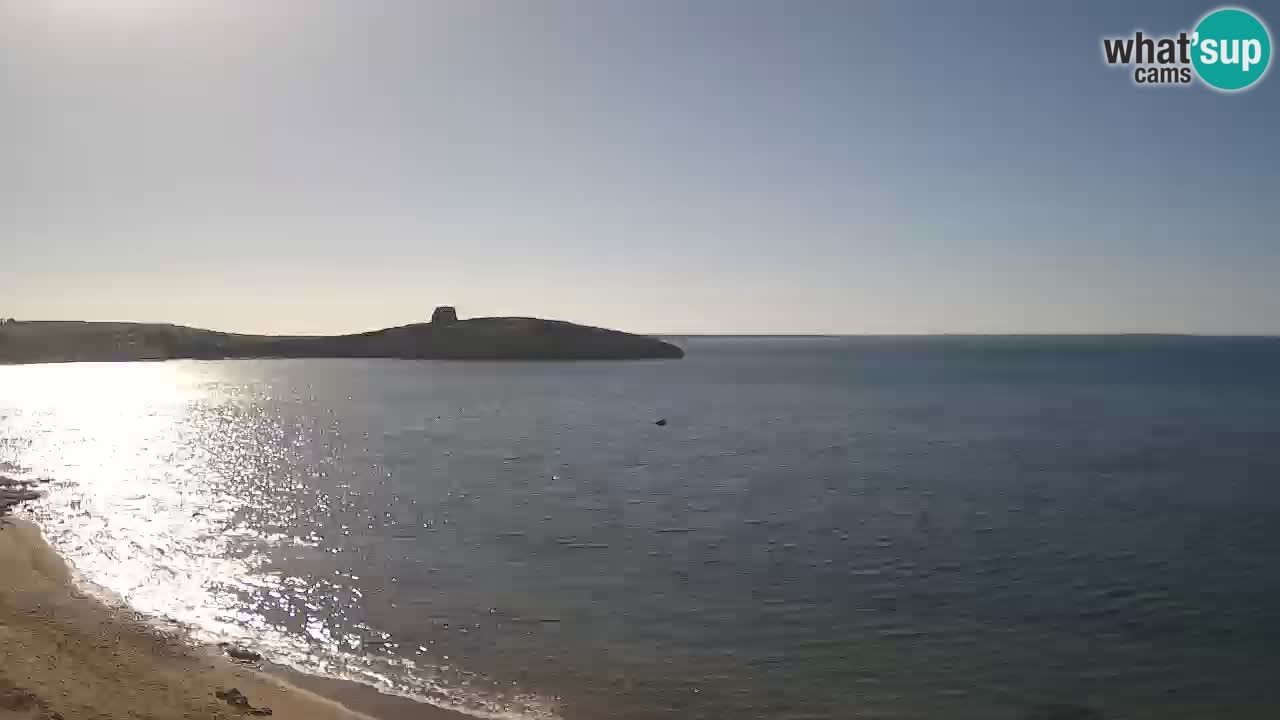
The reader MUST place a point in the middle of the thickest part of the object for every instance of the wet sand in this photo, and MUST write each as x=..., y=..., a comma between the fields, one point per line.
x=64, y=655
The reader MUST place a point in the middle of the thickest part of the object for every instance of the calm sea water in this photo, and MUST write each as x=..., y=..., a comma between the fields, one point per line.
x=826, y=528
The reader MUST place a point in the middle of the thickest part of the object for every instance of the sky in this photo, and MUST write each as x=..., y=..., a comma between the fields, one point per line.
x=655, y=166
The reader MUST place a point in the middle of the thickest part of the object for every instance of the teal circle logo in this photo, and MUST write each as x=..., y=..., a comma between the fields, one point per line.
x=1231, y=49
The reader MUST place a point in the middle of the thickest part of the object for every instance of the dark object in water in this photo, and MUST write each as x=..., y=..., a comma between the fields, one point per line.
x=1064, y=712
x=243, y=654
x=661, y=423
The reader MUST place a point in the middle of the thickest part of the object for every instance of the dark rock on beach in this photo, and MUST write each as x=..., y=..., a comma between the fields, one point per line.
x=19, y=702
x=232, y=696
x=237, y=699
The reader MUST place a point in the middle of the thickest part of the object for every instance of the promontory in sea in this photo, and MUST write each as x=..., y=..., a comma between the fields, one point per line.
x=445, y=337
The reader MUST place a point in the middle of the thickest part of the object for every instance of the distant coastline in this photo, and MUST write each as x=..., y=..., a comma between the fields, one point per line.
x=996, y=336
x=444, y=338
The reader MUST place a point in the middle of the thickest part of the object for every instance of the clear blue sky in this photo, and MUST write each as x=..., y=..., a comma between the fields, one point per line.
x=684, y=167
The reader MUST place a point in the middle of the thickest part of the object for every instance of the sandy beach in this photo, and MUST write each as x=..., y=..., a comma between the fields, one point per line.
x=65, y=655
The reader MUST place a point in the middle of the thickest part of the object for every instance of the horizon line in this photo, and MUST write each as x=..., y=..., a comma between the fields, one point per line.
x=745, y=335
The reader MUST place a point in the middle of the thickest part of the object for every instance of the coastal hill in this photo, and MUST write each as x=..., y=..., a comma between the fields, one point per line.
x=446, y=337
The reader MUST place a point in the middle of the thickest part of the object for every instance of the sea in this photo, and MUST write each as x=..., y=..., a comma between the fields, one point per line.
x=985, y=528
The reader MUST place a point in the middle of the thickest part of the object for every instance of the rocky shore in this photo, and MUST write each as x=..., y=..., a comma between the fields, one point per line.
x=13, y=492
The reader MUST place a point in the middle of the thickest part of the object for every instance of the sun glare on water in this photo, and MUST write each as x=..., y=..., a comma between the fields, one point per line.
x=102, y=435
x=172, y=486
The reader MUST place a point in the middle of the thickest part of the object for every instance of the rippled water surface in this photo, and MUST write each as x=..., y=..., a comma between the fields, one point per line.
x=826, y=528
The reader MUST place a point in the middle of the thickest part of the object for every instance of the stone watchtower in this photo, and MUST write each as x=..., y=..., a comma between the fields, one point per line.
x=444, y=315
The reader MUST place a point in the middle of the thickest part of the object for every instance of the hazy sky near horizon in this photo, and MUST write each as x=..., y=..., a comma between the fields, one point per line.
x=657, y=166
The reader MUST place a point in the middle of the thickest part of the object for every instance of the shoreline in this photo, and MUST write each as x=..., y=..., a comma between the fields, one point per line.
x=64, y=654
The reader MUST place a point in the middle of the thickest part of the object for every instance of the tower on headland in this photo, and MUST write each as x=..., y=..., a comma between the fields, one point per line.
x=444, y=315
